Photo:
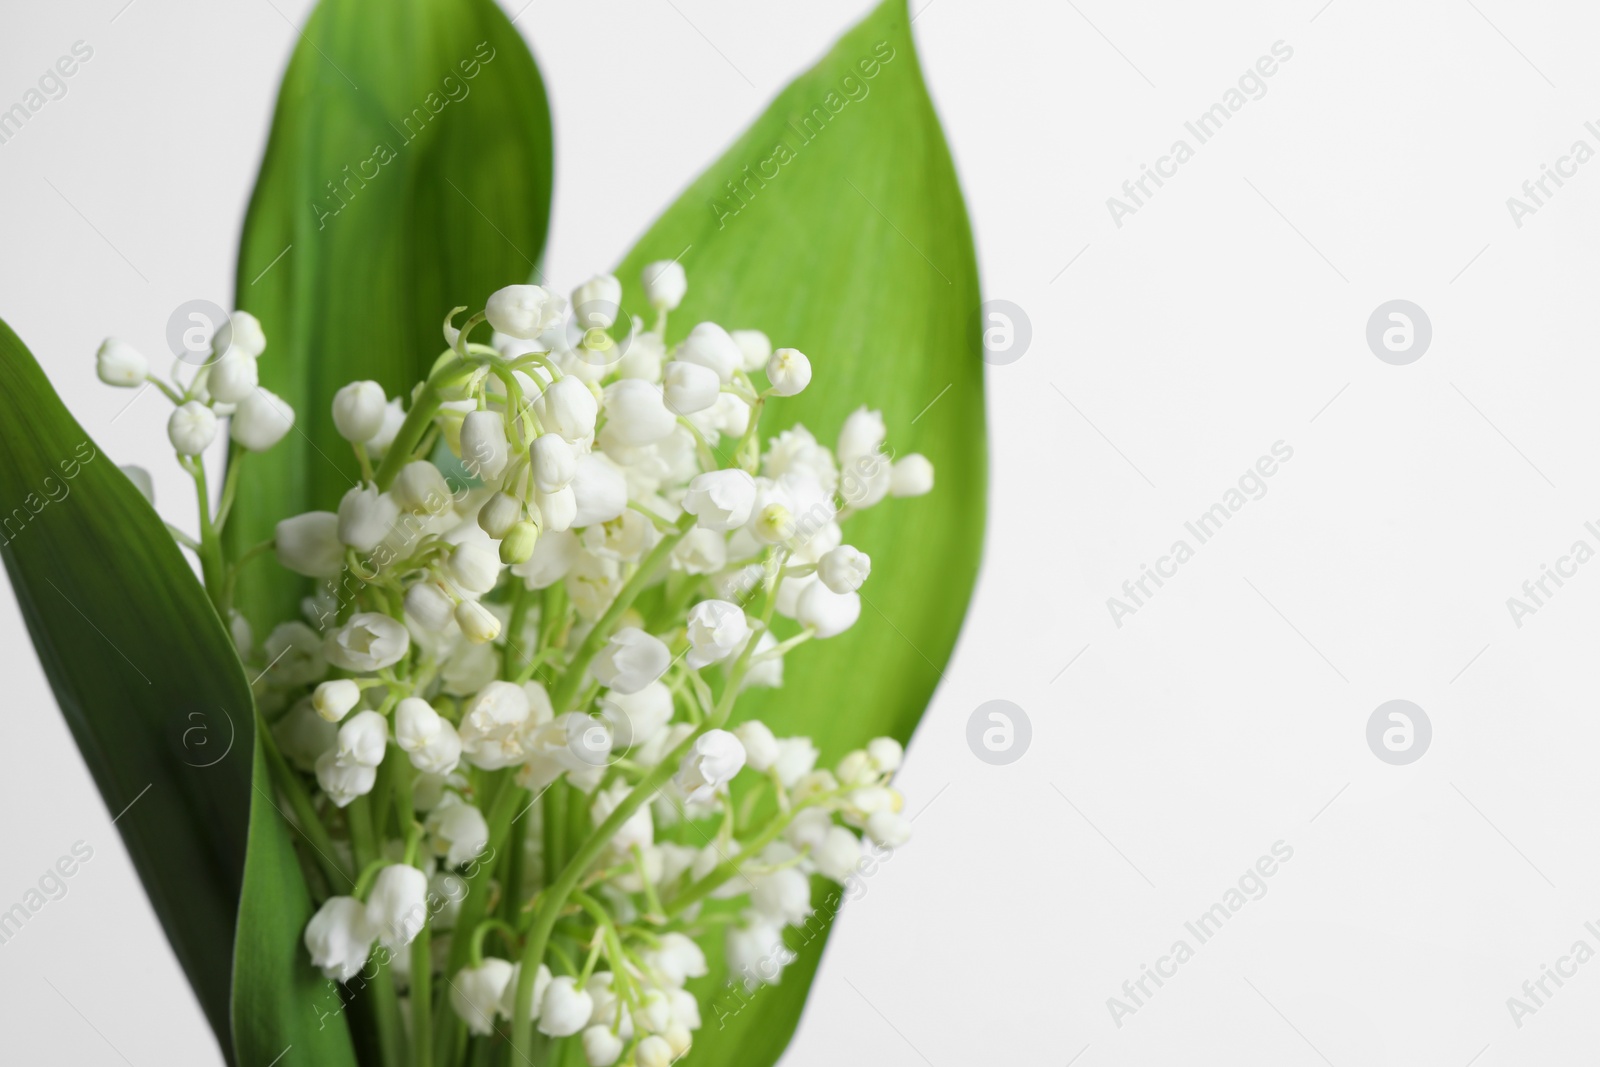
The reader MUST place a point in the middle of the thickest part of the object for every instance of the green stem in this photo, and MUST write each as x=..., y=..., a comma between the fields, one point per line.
x=567, y=688
x=283, y=776
x=506, y=804
x=555, y=897
x=423, y=410
x=212, y=569
x=422, y=998
x=230, y=488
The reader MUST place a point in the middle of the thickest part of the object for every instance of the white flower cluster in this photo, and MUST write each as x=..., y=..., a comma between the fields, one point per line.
x=507, y=709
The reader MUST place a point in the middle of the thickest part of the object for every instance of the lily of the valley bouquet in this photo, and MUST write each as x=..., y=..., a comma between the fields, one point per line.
x=523, y=637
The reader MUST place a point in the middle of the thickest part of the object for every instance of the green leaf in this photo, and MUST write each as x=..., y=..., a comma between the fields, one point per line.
x=142, y=668
x=836, y=225
x=279, y=1000
x=371, y=219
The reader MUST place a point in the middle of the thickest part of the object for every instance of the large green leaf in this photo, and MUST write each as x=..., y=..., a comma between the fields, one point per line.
x=279, y=1000
x=394, y=187
x=836, y=225
x=142, y=668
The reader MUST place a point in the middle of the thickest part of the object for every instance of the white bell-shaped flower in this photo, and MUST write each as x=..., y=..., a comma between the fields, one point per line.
x=368, y=642
x=843, y=569
x=358, y=411
x=566, y=1008
x=397, y=906
x=334, y=700
x=241, y=333
x=689, y=387
x=339, y=939
x=191, y=428
x=309, y=544
x=568, y=408
x=261, y=420
x=119, y=363
x=484, y=448
x=911, y=475
x=664, y=284
x=366, y=517
x=524, y=311
x=716, y=630
x=344, y=782
x=475, y=993
x=715, y=758
x=232, y=377
x=631, y=660
x=710, y=346
x=363, y=739
x=789, y=372
x=721, y=500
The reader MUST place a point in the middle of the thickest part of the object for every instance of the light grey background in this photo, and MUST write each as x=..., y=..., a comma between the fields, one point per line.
x=1225, y=315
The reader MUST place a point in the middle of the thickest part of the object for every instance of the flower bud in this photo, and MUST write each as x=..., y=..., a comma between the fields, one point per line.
x=716, y=630
x=261, y=420
x=826, y=612
x=631, y=660
x=430, y=606
x=601, y=1048
x=599, y=492
x=397, y=906
x=715, y=758
x=366, y=516
x=363, y=739
x=475, y=993
x=843, y=569
x=477, y=622
x=889, y=828
x=558, y=510
x=359, y=411
x=334, y=700
x=836, y=859
x=420, y=488
x=653, y=1051
x=636, y=413
x=415, y=723
x=498, y=514
x=863, y=434
x=394, y=417
x=309, y=544
x=554, y=462
x=568, y=408
x=760, y=747
x=664, y=284
x=886, y=754
x=518, y=544
x=484, y=448
x=710, y=346
x=789, y=371
x=458, y=833
x=911, y=475
x=119, y=363
x=338, y=938
x=232, y=378
x=191, y=428
x=441, y=753
x=754, y=347
x=596, y=302
x=474, y=567
x=721, y=500
x=689, y=387
x=241, y=333
x=524, y=311
x=343, y=783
